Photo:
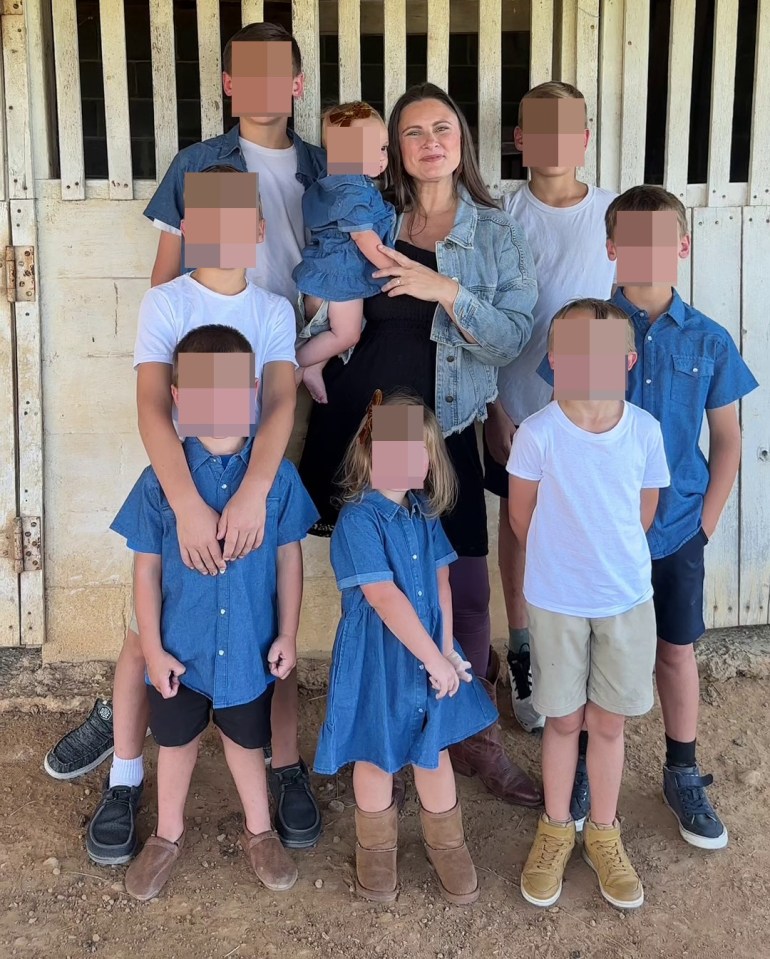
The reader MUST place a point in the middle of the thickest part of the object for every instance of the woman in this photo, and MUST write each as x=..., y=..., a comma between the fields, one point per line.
x=456, y=305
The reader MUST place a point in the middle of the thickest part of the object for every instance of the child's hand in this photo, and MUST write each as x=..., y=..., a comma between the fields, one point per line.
x=196, y=529
x=282, y=656
x=443, y=677
x=461, y=666
x=164, y=672
x=242, y=524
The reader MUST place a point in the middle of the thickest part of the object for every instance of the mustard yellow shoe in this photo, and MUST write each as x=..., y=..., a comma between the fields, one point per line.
x=603, y=851
x=541, y=877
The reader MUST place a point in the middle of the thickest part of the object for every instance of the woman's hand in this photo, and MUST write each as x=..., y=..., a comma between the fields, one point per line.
x=413, y=279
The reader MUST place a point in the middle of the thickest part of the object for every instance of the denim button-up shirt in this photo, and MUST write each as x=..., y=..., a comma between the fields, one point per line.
x=487, y=253
x=219, y=627
x=167, y=203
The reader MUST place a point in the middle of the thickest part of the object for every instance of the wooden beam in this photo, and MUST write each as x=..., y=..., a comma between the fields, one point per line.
x=349, y=31
x=210, y=68
x=680, y=58
x=163, y=84
x=118, y=128
x=71, y=159
x=722, y=97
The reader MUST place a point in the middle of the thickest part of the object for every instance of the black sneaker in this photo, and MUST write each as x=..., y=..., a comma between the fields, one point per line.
x=83, y=748
x=684, y=792
x=297, y=816
x=580, y=803
x=111, y=837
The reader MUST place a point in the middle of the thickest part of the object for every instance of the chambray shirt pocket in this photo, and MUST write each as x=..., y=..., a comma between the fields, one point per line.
x=690, y=379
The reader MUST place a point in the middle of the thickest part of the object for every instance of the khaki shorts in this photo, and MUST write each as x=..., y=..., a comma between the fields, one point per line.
x=607, y=661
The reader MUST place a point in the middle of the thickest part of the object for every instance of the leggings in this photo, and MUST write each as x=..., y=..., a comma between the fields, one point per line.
x=469, y=579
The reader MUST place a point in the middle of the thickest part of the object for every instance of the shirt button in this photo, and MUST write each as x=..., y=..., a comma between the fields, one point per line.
x=449, y=399
x=222, y=612
x=419, y=592
x=224, y=485
x=649, y=339
x=695, y=369
x=420, y=710
x=648, y=381
x=414, y=555
x=450, y=359
x=421, y=666
x=221, y=652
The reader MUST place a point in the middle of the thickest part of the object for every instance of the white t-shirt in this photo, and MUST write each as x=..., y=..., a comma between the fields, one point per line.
x=568, y=247
x=587, y=553
x=171, y=310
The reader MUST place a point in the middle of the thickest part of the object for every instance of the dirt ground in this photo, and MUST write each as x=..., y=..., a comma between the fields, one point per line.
x=698, y=904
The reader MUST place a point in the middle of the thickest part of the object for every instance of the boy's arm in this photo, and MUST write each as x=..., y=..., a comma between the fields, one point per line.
x=724, y=460
x=196, y=521
x=499, y=429
x=168, y=259
x=445, y=602
x=283, y=653
x=164, y=670
x=649, y=506
x=522, y=498
x=368, y=242
x=242, y=524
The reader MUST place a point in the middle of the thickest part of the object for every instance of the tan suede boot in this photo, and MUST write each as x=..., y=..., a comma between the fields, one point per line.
x=376, y=851
x=449, y=856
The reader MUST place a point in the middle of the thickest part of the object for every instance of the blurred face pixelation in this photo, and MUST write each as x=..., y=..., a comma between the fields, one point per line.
x=222, y=225
x=590, y=357
x=262, y=80
x=647, y=247
x=360, y=148
x=216, y=394
x=553, y=133
x=399, y=456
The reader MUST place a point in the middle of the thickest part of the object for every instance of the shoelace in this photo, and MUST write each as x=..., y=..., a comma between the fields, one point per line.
x=293, y=779
x=550, y=848
x=522, y=677
x=695, y=802
x=610, y=853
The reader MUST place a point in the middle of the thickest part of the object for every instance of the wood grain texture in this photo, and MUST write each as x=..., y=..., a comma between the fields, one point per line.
x=114, y=68
x=163, y=84
x=210, y=68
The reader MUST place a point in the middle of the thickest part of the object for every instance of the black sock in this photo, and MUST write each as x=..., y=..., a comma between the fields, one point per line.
x=680, y=754
x=583, y=743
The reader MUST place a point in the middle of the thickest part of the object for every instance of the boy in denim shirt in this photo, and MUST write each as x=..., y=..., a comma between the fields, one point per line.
x=214, y=643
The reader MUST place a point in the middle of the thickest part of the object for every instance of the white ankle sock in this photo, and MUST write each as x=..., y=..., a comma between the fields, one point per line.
x=126, y=772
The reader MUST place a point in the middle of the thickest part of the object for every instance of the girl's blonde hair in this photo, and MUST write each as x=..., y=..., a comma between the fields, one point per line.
x=355, y=474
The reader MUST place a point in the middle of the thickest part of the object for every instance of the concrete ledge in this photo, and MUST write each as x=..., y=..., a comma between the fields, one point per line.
x=29, y=685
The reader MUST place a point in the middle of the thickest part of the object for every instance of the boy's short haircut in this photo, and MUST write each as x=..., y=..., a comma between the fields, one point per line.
x=553, y=90
x=229, y=168
x=645, y=199
x=212, y=338
x=263, y=32
x=602, y=310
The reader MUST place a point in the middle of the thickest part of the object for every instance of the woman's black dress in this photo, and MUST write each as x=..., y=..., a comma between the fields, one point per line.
x=395, y=351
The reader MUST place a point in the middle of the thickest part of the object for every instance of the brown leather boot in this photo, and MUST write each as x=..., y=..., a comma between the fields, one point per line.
x=449, y=856
x=376, y=850
x=483, y=755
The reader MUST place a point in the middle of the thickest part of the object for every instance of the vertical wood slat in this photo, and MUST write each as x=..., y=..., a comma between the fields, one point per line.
x=395, y=52
x=636, y=43
x=490, y=89
x=163, y=84
x=716, y=290
x=610, y=94
x=567, y=53
x=118, y=128
x=680, y=60
x=253, y=11
x=541, y=42
x=38, y=23
x=755, y=465
x=9, y=581
x=210, y=68
x=71, y=159
x=5, y=28
x=722, y=97
x=305, y=28
x=349, y=32
x=587, y=75
x=759, y=160
x=438, y=42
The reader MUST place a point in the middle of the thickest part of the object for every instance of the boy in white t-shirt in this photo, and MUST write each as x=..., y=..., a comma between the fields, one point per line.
x=585, y=473
x=563, y=220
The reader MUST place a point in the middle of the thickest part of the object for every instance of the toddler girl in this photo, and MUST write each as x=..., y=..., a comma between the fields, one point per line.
x=400, y=690
x=347, y=219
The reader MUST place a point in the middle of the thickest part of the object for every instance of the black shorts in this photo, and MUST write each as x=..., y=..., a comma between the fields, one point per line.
x=495, y=475
x=677, y=581
x=177, y=721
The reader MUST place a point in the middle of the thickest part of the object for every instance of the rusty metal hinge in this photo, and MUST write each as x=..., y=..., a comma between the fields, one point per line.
x=20, y=274
x=27, y=539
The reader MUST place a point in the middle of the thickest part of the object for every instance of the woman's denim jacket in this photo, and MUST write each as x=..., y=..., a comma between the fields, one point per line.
x=487, y=253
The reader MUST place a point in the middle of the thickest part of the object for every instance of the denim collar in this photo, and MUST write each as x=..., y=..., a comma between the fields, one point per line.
x=230, y=144
x=197, y=454
x=466, y=218
x=676, y=311
x=416, y=503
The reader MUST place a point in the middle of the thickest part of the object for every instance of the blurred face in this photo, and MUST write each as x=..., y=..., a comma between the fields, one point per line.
x=399, y=456
x=553, y=135
x=430, y=140
x=262, y=85
x=360, y=148
x=222, y=224
x=590, y=357
x=647, y=246
x=216, y=394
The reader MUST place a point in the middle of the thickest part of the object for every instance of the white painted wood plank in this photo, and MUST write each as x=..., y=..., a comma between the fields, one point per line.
x=567, y=53
x=697, y=194
x=754, y=490
x=18, y=157
x=759, y=160
x=41, y=78
x=587, y=75
x=490, y=89
x=395, y=52
x=9, y=580
x=4, y=25
x=607, y=132
x=210, y=68
x=438, y=42
x=716, y=290
x=541, y=42
x=253, y=11
x=71, y=160
x=307, y=111
x=722, y=97
x=511, y=186
x=349, y=31
x=112, y=17
x=163, y=84
x=680, y=57
x=684, y=273
x=636, y=43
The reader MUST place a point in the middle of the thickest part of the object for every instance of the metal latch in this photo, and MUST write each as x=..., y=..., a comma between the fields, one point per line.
x=20, y=274
x=27, y=540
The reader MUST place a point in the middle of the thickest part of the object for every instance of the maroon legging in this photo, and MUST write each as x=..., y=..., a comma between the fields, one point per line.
x=469, y=579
